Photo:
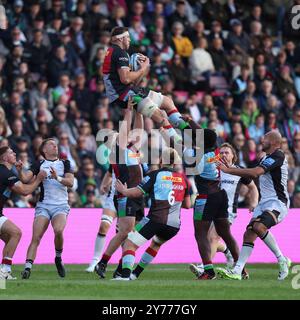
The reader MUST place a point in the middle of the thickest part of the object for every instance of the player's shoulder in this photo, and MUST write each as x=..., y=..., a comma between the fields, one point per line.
x=4, y=171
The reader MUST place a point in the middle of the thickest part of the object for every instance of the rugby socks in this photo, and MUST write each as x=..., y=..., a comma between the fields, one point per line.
x=175, y=118
x=28, y=264
x=146, y=259
x=119, y=267
x=99, y=245
x=271, y=243
x=105, y=258
x=244, y=255
x=127, y=263
x=209, y=268
x=58, y=253
x=6, y=264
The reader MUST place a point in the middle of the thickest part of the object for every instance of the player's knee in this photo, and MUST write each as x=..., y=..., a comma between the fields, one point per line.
x=167, y=103
x=16, y=234
x=58, y=231
x=147, y=107
x=259, y=228
x=104, y=227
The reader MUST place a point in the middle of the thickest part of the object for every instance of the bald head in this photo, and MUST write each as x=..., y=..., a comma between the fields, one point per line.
x=271, y=141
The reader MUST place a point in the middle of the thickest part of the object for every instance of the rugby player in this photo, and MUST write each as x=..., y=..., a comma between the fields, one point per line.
x=168, y=191
x=272, y=207
x=108, y=216
x=129, y=171
x=231, y=184
x=211, y=204
x=9, y=182
x=121, y=83
x=53, y=203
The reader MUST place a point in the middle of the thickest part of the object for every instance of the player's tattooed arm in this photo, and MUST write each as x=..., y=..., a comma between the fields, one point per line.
x=252, y=173
x=126, y=125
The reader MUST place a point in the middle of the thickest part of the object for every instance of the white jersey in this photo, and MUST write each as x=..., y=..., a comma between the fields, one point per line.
x=52, y=191
x=273, y=183
x=232, y=184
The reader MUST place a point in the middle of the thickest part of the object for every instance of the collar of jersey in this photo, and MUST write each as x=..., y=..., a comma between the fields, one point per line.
x=51, y=160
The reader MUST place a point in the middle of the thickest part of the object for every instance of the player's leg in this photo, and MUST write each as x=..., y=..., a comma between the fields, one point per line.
x=11, y=235
x=261, y=227
x=126, y=225
x=59, y=221
x=162, y=236
x=40, y=225
x=106, y=221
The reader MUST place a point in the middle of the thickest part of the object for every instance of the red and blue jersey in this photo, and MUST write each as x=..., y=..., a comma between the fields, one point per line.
x=167, y=190
x=115, y=59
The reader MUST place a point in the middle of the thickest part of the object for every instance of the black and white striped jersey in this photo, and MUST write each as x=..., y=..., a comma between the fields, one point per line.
x=273, y=183
x=232, y=184
x=52, y=191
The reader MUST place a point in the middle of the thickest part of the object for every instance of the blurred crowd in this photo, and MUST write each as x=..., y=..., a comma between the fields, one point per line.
x=234, y=66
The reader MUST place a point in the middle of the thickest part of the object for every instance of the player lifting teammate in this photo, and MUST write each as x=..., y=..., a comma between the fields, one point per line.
x=9, y=182
x=168, y=190
x=127, y=168
x=53, y=203
x=231, y=184
x=272, y=207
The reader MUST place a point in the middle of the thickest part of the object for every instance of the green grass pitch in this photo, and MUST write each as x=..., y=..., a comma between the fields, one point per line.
x=157, y=282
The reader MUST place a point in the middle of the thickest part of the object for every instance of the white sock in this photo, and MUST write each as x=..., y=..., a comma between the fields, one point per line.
x=6, y=264
x=244, y=255
x=270, y=241
x=99, y=245
x=28, y=264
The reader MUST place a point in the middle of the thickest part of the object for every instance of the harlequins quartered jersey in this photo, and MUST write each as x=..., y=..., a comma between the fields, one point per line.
x=167, y=189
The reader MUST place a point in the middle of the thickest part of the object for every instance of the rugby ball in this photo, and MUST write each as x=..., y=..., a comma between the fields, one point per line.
x=134, y=62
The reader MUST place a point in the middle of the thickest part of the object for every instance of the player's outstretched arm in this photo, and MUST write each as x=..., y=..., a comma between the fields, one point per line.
x=251, y=173
x=106, y=182
x=26, y=189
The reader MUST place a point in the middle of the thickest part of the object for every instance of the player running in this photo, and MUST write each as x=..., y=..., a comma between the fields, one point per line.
x=53, y=203
x=231, y=184
x=131, y=172
x=272, y=207
x=168, y=191
x=108, y=216
x=9, y=182
x=121, y=83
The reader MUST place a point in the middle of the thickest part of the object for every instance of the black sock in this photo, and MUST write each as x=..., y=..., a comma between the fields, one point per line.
x=138, y=270
x=126, y=273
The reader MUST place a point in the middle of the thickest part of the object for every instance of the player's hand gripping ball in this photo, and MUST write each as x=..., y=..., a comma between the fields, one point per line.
x=134, y=61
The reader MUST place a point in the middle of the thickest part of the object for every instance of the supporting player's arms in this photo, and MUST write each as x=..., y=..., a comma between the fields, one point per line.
x=130, y=193
x=26, y=189
x=126, y=125
x=253, y=195
x=106, y=183
x=186, y=202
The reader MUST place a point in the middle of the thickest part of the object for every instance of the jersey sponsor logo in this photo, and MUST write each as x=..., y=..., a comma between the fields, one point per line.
x=173, y=179
x=228, y=181
x=214, y=159
x=268, y=162
x=12, y=178
x=134, y=155
x=123, y=59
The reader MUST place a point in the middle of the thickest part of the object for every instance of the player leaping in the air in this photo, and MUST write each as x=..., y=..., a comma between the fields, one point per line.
x=121, y=82
x=272, y=207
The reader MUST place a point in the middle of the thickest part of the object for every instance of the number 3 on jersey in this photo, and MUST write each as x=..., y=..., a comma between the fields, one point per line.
x=171, y=197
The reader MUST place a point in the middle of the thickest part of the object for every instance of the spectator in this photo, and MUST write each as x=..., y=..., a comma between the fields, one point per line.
x=257, y=129
x=284, y=82
x=179, y=73
x=182, y=44
x=159, y=46
x=249, y=112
